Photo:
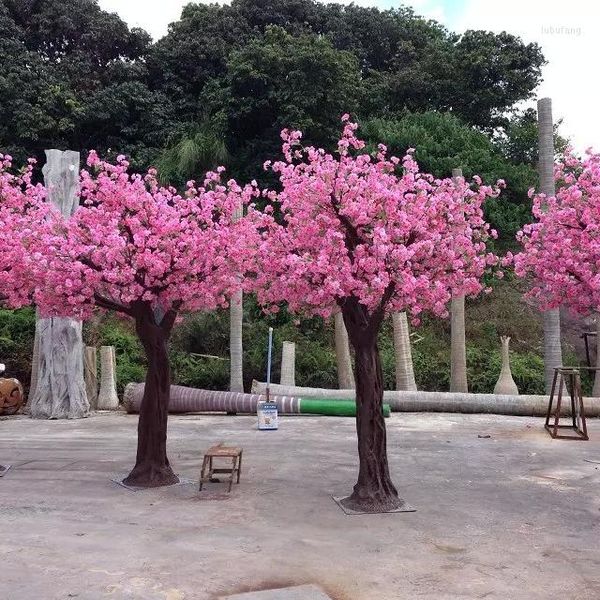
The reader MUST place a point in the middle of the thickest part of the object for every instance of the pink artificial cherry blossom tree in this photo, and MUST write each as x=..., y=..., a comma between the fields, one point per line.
x=148, y=253
x=355, y=234
x=22, y=218
x=561, y=250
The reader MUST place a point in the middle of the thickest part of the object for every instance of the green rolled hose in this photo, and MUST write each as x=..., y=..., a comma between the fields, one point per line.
x=332, y=407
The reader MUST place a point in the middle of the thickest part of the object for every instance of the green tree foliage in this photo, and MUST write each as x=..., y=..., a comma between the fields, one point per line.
x=72, y=75
x=259, y=65
x=279, y=81
x=191, y=152
x=442, y=141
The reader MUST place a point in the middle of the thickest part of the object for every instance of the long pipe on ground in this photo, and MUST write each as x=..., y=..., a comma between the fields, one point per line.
x=188, y=400
x=413, y=401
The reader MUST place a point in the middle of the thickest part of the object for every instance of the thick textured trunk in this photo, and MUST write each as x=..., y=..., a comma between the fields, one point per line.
x=551, y=318
x=458, y=349
x=342, y=354
x=405, y=375
x=596, y=390
x=58, y=387
x=374, y=490
x=35, y=364
x=152, y=468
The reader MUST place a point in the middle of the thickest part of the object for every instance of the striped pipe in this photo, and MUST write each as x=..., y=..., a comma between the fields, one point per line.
x=186, y=400
x=500, y=404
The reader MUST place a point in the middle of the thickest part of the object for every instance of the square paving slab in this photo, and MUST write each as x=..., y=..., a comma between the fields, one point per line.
x=301, y=592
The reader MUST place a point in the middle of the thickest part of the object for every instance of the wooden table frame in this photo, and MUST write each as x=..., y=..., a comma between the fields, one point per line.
x=567, y=378
x=221, y=452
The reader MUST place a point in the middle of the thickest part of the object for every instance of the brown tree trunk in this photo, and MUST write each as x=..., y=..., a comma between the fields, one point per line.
x=152, y=468
x=374, y=490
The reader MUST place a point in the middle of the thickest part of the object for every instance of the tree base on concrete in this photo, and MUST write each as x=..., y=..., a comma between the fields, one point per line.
x=148, y=475
x=363, y=501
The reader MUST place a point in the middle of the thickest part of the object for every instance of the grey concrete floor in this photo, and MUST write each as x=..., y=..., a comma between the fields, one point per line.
x=514, y=516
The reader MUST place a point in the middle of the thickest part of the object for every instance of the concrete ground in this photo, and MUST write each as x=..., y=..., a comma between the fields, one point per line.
x=512, y=516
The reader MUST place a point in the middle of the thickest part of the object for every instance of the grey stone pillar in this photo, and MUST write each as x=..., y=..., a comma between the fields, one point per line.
x=59, y=387
x=107, y=397
x=90, y=366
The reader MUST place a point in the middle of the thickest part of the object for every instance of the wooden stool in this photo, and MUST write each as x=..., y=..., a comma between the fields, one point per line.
x=219, y=451
x=567, y=377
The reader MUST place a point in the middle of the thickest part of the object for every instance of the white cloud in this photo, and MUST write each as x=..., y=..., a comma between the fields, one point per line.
x=569, y=36
x=152, y=15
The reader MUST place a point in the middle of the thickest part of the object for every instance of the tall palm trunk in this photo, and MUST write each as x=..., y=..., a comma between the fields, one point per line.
x=458, y=345
x=405, y=376
x=342, y=354
x=458, y=348
x=236, y=350
x=551, y=318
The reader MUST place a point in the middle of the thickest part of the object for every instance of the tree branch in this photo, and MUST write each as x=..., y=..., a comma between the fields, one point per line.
x=170, y=316
x=109, y=304
x=378, y=314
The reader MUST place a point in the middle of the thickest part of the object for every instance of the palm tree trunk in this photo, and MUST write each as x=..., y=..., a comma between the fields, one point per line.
x=405, y=376
x=458, y=348
x=342, y=353
x=458, y=345
x=288, y=364
x=551, y=318
x=236, y=317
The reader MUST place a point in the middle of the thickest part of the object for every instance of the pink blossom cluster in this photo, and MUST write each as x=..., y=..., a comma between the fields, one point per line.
x=344, y=225
x=561, y=250
x=133, y=240
x=352, y=226
x=22, y=217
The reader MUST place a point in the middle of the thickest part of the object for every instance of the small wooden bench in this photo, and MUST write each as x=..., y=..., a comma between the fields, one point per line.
x=221, y=452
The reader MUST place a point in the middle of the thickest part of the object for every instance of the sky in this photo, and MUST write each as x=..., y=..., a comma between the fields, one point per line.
x=568, y=33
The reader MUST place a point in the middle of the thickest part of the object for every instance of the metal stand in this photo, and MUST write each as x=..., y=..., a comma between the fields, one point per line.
x=566, y=377
x=586, y=335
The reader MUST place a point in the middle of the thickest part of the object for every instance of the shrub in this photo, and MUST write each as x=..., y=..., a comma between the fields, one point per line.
x=17, y=332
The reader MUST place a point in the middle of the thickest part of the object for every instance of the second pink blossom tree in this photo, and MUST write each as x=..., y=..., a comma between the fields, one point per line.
x=561, y=249
x=369, y=235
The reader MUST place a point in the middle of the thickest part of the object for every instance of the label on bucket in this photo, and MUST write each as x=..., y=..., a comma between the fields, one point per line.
x=267, y=415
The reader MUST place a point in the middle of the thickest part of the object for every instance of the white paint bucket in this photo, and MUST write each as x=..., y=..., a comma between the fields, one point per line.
x=267, y=415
